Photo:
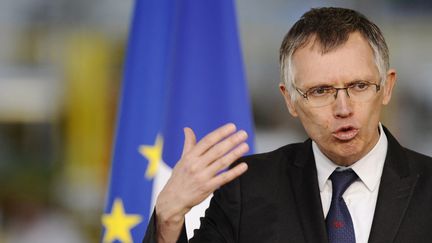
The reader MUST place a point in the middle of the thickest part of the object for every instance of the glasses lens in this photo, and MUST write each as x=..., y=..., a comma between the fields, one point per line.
x=318, y=101
x=362, y=94
x=357, y=93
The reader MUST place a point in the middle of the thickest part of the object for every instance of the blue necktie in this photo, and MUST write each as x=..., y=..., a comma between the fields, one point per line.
x=340, y=227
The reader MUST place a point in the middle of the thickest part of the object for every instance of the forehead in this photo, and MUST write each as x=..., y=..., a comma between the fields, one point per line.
x=351, y=61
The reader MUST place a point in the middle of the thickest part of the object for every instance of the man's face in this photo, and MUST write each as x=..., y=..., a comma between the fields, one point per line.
x=345, y=130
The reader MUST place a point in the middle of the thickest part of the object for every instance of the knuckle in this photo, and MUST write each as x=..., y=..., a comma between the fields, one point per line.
x=209, y=140
x=190, y=169
x=218, y=150
x=203, y=188
x=240, y=136
x=233, y=140
x=236, y=153
x=199, y=179
x=224, y=162
x=233, y=156
x=186, y=157
x=240, y=150
x=224, y=177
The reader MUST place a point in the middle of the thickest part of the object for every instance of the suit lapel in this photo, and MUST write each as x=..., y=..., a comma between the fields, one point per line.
x=303, y=176
x=396, y=188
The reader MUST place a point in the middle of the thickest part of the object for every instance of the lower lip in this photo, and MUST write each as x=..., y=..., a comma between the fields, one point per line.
x=345, y=135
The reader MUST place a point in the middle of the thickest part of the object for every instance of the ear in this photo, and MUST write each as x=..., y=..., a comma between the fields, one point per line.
x=388, y=87
x=284, y=91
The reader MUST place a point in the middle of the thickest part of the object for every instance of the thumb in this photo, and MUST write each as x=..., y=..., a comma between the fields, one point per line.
x=189, y=141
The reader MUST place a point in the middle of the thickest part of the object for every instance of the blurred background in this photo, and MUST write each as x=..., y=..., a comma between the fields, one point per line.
x=60, y=73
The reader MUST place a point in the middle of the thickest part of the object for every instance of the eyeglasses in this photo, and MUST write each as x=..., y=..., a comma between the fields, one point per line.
x=358, y=91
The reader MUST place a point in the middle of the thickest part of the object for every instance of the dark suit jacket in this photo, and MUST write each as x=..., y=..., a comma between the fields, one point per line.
x=278, y=200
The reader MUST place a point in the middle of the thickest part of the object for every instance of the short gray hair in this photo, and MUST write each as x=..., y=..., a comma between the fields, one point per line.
x=331, y=27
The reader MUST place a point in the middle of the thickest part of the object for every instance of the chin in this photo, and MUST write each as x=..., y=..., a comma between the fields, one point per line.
x=346, y=154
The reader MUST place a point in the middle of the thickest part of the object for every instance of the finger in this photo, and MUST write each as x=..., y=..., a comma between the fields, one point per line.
x=213, y=138
x=227, y=160
x=189, y=141
x=223, y=147
x=227, y=176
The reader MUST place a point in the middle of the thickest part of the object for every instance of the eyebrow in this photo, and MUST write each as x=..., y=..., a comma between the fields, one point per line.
x=327, y=84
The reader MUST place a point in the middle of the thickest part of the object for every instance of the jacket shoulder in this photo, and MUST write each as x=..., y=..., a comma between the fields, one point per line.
x=420, y=162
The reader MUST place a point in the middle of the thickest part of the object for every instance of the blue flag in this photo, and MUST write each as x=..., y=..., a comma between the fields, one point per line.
x=183, y=68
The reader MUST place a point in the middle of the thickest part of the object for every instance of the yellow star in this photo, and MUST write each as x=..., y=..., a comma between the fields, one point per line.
x=153, y=155
x=118, y=224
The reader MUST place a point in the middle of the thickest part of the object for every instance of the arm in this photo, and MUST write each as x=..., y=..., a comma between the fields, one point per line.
x=151, y=234
x=196, y=176
x=222, y=218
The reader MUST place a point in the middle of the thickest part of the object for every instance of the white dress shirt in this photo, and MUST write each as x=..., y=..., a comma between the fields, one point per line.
x=361, y=196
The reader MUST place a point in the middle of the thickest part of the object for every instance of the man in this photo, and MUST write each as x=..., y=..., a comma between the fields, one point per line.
x=350, y=182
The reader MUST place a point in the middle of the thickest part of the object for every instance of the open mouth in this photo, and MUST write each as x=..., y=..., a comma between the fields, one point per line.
x=345, y=133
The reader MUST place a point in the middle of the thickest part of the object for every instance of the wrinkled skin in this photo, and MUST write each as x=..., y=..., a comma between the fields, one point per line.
x=344, y=131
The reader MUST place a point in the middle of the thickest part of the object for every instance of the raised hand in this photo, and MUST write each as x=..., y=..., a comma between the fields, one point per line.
x=198, y=174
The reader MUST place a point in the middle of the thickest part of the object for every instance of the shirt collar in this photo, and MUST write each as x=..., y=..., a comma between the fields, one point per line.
x=369, y=168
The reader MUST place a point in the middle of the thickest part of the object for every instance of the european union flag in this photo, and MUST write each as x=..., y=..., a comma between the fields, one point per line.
x=183, y=68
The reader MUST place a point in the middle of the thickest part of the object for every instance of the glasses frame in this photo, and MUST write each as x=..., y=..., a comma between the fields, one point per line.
x=304, y=93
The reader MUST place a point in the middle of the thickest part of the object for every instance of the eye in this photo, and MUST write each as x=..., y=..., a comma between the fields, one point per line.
x=359, y=86
x=320, y=91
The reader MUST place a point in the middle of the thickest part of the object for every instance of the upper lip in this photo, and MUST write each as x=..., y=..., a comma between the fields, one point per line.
x=344, y=128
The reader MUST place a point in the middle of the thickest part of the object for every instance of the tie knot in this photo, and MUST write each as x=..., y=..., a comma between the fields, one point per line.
x=341, y=180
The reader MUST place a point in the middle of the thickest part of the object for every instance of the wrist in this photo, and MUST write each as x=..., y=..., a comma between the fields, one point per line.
x=169, y=213
x=169, y=225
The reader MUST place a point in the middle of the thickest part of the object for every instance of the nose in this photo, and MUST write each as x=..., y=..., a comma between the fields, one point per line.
x=342, y=106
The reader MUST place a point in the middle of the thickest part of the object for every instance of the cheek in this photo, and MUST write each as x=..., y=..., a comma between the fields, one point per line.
x=370, y=113
x=315, y=122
